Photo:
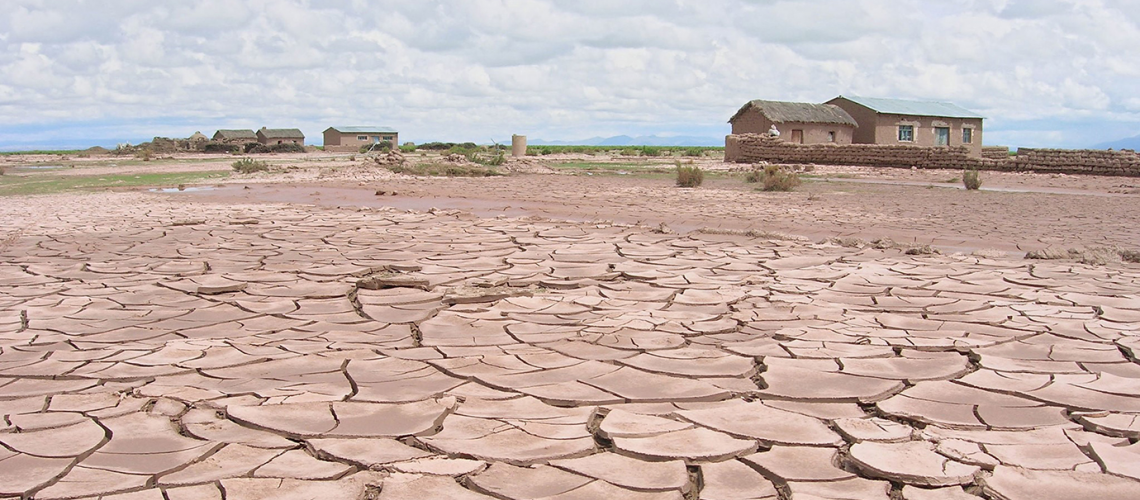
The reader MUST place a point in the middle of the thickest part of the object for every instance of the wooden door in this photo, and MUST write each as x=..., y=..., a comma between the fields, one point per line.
x=798, y=136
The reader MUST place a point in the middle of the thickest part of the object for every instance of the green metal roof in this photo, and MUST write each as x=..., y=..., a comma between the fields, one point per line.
x=364, y=130
x=911, y=108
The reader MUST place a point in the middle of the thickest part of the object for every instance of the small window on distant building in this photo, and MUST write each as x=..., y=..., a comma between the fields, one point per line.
x=831, y=137
x=906, y=133
x=362, y=138
x=967, y=136
x=388, y=138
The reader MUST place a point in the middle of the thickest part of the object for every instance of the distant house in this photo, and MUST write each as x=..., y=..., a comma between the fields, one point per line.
x=352, y=138
x=921, y=123
x=235, y=136
x=797, y=122
x=270, y=136
x=198, y=137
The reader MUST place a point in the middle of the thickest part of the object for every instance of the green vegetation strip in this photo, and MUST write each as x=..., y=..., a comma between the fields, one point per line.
x=42, y=152
x=15, y=185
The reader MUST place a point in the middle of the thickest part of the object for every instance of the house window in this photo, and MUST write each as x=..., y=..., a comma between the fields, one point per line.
x=906, y=133
x=362, y=138
x=388, y=138
x=967, y=136
x=831, y=137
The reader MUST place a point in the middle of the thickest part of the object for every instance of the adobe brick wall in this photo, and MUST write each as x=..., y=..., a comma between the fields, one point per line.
x=753, y=148
x=995, y=152
x=1077, y=161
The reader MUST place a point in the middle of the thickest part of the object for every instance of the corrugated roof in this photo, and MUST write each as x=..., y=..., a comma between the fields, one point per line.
x=798, y=112
x=282, y=133
x=236, y=134
x=364, y=130
x=912, y=108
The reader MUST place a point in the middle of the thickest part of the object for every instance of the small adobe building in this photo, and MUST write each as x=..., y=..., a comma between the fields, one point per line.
x=235, y=136
x=917, y=123
x=352, y=138
x=271, y=136
x=797, y=122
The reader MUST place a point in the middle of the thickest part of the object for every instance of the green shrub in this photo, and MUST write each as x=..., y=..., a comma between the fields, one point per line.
x=490, y=160
x=689, y=175
x=219, y=147
x=650, y=151
x=253, y=147
x=286, y=147
x=248, y=165
x=773, y=178
x=379, y=147
x=408, y=147
x=971, y=179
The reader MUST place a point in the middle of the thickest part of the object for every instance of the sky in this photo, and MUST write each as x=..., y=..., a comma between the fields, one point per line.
x=1045, y=73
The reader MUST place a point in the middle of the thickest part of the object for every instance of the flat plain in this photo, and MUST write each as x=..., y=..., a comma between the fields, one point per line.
x=331, y=329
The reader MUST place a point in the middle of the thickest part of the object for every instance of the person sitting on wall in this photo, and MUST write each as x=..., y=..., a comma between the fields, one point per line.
x=774, y=132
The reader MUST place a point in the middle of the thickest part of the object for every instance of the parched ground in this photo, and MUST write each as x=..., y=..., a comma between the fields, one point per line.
x=224, y=343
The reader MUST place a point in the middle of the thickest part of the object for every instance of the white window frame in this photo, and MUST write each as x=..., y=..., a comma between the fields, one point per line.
x=362, y=138
x=967, y=139
x=908, y=126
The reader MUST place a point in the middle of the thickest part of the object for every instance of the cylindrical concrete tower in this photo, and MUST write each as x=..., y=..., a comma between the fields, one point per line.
x=518, y=145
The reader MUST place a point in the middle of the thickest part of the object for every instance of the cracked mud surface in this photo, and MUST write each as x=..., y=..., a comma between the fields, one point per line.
x=157, y=348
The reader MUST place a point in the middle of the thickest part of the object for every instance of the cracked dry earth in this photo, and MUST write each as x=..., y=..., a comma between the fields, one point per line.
x=152, y=349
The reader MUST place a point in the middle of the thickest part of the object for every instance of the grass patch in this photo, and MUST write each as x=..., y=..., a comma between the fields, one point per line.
x=539, y=150
x=639, y=169
x=249, y=165
x=42, y=152
x=491, y=160
x=443, y=170
x=689, y=175
x=971, y=179
x=18, y=185
x=773, y=178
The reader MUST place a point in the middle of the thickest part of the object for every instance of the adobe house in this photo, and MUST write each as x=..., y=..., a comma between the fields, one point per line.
x=352, y=138
x=797, y=122
x=235, y=136
x=920, y=123
x=270, y=136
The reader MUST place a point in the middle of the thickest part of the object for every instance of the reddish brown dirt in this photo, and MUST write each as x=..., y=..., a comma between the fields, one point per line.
x=950, y=219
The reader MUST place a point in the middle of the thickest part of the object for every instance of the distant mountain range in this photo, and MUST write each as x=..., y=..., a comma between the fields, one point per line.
x=1129, y=143
x=625, y=140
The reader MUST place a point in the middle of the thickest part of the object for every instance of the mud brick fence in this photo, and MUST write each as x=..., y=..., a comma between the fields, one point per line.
x=995, y=152
x=754, y=148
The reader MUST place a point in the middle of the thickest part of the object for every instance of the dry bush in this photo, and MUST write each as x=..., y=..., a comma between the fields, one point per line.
x=773, y=178
x=249, y=165
x=971, y=179
x=689, y=175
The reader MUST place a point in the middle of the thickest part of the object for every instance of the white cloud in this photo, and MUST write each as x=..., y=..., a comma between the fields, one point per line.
x=556, y=69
